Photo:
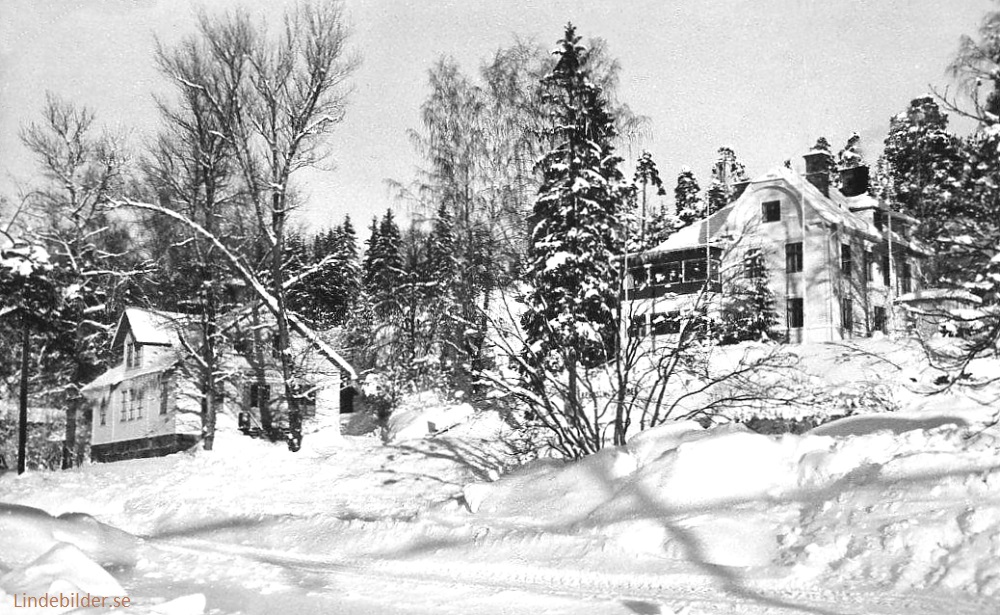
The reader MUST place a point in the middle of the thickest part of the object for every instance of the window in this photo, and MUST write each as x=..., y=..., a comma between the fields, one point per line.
x=846, y=263
x=104, y=413
x=795, y=315
x=906, y=281
x=668, y=273
x=638, y=326
x=140, y=402
x=260, y=395
x=869, y=265
x=771, y=211
x=847, y=314
x=878, y=319
x=753, y=264
x=694, y=270
x=793, y=257
x=879, y=220
x=132, y=395
x=164, y=397
x=886, y=264
x=133, y=355
x=124, y=405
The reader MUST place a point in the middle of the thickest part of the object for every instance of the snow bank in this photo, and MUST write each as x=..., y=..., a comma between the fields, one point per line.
x=907, y=501
x=27, y=533
x=63, y=570
x=426, y=414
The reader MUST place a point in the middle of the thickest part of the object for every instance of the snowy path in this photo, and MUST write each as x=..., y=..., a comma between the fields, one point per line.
x=491, y=584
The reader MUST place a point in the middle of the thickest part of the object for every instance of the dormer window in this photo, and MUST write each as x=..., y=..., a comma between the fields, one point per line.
x=133, y=355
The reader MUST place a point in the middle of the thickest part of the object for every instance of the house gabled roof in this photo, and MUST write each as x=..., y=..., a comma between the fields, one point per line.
x=153, y=327
x=834, y=208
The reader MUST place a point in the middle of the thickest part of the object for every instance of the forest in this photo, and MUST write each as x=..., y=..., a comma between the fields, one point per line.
x=498, y=279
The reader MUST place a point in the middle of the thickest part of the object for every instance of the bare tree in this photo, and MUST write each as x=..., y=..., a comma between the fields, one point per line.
x=273, y=95
x=82, y=168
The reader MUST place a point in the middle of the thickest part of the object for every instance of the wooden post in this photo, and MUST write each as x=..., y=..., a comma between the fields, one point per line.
x=22, y=428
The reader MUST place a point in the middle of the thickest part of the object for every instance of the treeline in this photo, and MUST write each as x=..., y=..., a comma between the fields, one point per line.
x=521, y=194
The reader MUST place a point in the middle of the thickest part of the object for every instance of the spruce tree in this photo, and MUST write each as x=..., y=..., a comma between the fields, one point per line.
x=687, y=200
x=570, y=321
x=445, y=314
x=371, y=252
x=749, y=313
x=386, y=266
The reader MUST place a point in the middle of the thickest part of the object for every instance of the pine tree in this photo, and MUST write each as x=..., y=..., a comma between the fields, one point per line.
x=687, y=200
x=922, y=161
x=647, y=178
x=851, y=155
x=726, y=173
x=573, y=300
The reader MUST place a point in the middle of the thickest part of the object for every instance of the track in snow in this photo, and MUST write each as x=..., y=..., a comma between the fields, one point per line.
x=412, y=586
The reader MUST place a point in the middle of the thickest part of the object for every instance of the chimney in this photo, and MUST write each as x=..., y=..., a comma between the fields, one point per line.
x=854, y=181
x=818, y=170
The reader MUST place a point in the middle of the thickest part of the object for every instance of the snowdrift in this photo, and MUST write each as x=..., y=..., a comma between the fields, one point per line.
x=909, y=501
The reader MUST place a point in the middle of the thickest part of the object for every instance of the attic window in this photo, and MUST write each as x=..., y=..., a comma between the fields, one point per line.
x=133, y=355
x=771, y=211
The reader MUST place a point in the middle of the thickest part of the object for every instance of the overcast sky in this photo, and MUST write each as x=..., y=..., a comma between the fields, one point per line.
x=766, y=77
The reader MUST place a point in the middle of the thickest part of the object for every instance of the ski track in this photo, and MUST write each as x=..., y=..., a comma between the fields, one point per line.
x=669, y=593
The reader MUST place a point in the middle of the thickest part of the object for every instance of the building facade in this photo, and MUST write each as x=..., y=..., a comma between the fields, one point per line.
x=835, y=259
x=149, y=404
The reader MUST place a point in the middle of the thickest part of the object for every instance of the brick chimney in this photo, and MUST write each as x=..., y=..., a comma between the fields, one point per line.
x=818, y=170
x=854, y=181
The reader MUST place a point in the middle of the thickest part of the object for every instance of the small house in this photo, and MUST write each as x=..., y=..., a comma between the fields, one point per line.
x=149, y=404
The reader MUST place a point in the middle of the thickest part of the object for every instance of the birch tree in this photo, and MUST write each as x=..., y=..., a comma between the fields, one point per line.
x=275, y=95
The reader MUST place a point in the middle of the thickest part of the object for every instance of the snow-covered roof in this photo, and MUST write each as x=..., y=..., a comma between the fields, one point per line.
x=119, y=373
x=834, y=208
x=696, y=234
x=158, y=328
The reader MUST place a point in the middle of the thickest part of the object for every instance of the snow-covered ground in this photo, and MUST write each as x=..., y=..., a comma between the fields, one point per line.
x=885, y=513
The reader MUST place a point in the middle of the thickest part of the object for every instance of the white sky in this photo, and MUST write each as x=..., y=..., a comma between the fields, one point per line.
x=766, y=77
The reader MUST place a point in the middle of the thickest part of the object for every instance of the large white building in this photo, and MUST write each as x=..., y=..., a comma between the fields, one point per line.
x=835, y=259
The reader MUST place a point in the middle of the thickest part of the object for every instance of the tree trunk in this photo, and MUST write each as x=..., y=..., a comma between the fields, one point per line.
x=69, y=443
x=22, y=427
x=260, y=400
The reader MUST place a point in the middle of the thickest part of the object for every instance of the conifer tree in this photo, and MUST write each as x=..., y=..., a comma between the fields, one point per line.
x=726, y=173
x=687, y=200
x=570, y=321
x=851, y=155
x=922, y=160
x=385, y=266
x=749, y=313
x=371, y=250
x=647, y=179
x=444, y=315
